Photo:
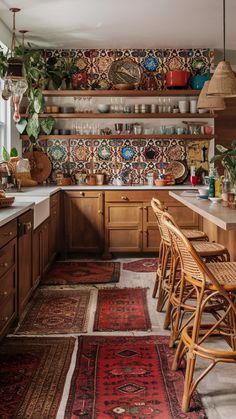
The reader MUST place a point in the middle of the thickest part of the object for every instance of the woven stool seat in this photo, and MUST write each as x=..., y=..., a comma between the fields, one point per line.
x=208, y=249
x=194, y=234
x=225, y=272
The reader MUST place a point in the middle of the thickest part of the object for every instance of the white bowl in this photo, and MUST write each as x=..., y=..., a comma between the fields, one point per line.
x=215, y=200
x=103, y=107
x=203, y=190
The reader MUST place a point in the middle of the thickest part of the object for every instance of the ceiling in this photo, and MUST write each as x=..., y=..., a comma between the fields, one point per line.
x=123, y=23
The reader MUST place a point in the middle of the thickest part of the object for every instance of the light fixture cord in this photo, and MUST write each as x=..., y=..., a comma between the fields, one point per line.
x=13, y=42
x=224, y=30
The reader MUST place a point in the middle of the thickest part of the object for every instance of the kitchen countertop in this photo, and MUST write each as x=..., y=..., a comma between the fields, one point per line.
x=223, y=217
x=26, y=200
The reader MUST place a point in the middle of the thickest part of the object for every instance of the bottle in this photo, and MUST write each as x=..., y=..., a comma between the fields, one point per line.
x=218, y=185
x=211, y=187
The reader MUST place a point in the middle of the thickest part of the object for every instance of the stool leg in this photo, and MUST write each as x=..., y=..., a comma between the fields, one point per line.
x=162, y=292
x=158, y=274
x=191, y=361
x=174, y=265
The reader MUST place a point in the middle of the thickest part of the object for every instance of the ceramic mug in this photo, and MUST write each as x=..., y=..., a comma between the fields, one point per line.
x=100, y=178
x=183, y=106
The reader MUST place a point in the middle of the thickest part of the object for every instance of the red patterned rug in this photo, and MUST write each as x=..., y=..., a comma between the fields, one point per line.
x=127, y=378
x=69, y=273
x=52, y=311
x=141, y=265
x=32, y=376
x=122, y=309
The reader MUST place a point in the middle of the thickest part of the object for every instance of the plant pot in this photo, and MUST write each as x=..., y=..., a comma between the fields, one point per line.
x=177, y=78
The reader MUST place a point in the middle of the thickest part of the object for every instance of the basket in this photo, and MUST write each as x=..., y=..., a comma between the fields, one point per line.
x=6, y=201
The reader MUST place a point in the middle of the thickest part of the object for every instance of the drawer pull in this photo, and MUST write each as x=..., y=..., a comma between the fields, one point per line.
x=4, y=294
x=81, y=193
x=100, y=212
x=4, y=319
x=145, y=208
x=9, y=233
x=3, y=265
x=124, y=198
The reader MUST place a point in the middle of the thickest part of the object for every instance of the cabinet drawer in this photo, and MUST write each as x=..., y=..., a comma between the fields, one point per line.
x=7, y=314
x=129, y=196
x=7, y=287
x=54, y=199
x=8, y=232
x=7, y=257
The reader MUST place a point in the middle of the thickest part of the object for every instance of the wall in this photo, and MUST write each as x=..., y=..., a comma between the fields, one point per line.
x=108, y=155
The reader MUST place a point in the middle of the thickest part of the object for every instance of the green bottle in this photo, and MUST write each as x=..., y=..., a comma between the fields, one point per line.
x=211, y=187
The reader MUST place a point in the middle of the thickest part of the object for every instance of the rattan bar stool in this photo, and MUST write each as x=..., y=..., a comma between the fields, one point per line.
x=215, y=292
x=209, y=251
x=183, y=301
x=164, y=251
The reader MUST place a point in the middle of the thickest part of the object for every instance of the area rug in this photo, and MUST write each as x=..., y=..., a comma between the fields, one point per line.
x=120, y=309
x=52, y=311
x=127, y=378
x=70, y=273
x=32, y=376
x=141, y=265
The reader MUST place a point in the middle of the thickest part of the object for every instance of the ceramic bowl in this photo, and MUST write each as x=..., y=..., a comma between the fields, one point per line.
x=215, y=200
x=103, y=107
x=203, y=190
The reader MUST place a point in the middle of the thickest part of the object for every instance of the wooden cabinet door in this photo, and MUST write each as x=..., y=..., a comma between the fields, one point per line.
x=124, y=227
x=25, y=285
x=44, y=246
x=36, y=257
x=84, y=221
x=151, y=234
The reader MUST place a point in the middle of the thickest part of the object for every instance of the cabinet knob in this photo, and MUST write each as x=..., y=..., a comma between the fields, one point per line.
x=81, y=193
x=9, y=233
x=4, y=294
x=140, y=231
x=124, y=198
x=3, y=265
x=4, y=319
x=27, y=226
x=145, y=208
x=100, y=212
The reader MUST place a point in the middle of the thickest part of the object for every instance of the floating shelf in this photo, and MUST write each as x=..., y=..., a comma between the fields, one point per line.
x=123, y=136
x=90, y=115
x=127, y=93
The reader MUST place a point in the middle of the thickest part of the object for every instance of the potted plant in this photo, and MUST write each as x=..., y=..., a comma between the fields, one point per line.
x=68, y=67
x=227, y=157
x=3, y=63
x=199, y=74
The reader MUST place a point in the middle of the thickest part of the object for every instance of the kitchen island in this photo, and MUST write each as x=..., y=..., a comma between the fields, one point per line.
x=218, y=222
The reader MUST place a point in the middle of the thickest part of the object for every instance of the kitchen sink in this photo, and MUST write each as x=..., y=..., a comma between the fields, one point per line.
x=41, y=206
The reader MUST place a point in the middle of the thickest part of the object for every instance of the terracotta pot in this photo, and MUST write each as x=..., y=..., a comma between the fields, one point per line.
x=177, y=78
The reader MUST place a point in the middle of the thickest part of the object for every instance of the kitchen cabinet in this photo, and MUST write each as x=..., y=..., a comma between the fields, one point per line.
x=25, y=283
x=84, y=221
x=40, y=251
x=54, y=226
x=8, y=275
x=130, y=224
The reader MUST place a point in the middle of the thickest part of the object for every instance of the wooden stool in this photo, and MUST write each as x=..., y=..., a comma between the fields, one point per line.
x=215, y=290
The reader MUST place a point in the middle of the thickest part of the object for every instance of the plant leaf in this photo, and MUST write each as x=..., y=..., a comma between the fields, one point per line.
x=5, y=154
x=21, y=125
x=215, y=158
x=233, y=144
x=14, y=152
x=221, y=148
x=47, y=124
x=33, y=127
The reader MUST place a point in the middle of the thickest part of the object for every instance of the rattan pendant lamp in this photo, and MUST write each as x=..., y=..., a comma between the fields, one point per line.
x=212, y=103
x=223, y=82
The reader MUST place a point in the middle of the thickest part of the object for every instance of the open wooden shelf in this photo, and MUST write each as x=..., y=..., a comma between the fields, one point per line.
x=123, y=136
x=97, y=115
x=127, y=93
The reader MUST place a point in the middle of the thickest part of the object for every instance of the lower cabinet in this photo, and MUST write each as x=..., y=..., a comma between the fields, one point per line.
x=130, y=224
x=40, y=251
x=54, y=226
x=25, y=282
x=84, y=221
x=8, y=275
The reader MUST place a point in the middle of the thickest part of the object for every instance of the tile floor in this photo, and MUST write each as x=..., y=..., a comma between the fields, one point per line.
x=218, y=389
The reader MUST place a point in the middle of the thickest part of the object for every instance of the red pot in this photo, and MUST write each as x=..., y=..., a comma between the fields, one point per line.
x=177, y=78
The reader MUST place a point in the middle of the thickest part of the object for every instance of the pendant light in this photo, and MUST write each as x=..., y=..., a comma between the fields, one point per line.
x=223, y=82
x=212, y=103
x=15, y=64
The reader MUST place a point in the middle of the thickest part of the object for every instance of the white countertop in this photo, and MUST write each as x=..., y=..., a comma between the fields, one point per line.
x=30, y=197
x=223, y=217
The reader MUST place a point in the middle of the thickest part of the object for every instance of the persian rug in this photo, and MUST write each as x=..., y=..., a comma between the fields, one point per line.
x=52, y=311
x=69, y=273
x=141, y=265
x=121, y=309
x=127, y=378
x=32, y=376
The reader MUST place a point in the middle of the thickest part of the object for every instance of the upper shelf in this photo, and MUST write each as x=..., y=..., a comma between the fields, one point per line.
x=127, y=115
x=127, y=93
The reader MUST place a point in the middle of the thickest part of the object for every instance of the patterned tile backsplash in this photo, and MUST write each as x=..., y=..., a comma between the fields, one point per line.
x=138, y=156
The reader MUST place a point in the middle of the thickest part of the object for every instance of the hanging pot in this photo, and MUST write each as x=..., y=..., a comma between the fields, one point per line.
x=177, y=78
